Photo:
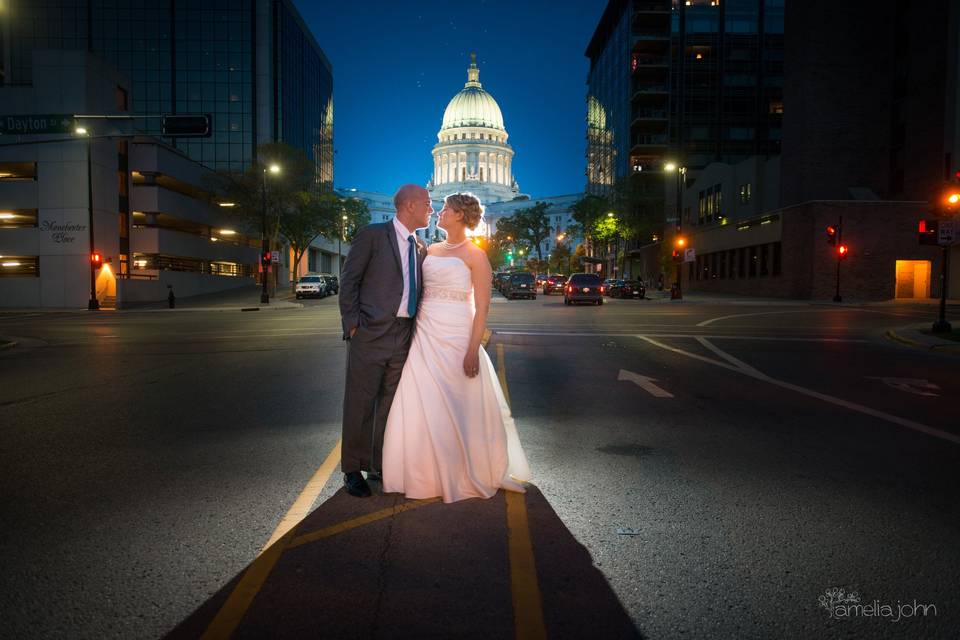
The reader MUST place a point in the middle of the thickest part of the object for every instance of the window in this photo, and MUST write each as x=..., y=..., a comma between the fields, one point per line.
x=17, y=171
x=754, y=259
x=17, y=218
x=776, y=106
x=776, y=258
x=19, y=267
x=745, y=193
x=764, y=259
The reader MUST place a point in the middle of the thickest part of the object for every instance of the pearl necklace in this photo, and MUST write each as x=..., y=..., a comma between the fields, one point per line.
x=450, y=247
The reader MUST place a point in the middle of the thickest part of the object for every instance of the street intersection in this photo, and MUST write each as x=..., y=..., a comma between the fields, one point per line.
x=706, y=467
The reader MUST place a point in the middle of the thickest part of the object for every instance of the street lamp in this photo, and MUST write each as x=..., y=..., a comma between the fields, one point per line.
x=265, y=245
x=93, y=304
x=343, y=224
x=681, y=178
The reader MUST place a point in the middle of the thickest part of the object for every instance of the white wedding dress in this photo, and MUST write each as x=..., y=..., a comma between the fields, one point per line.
x=449, y=435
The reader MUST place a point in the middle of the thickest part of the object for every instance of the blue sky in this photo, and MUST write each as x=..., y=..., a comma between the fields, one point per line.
x=397, y=64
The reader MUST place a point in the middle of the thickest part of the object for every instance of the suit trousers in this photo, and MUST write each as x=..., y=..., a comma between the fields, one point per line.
x=373, y=373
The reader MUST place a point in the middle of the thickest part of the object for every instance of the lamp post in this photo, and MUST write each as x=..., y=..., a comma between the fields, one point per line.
x=616, y=243
x=343, y=223
x=93, y=304
x=265, y=243
x=681, y=178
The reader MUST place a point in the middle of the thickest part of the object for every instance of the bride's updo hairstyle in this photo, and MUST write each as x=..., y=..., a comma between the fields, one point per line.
x=467, y=204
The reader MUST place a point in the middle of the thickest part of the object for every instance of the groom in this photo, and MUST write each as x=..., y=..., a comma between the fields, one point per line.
x=380, y=286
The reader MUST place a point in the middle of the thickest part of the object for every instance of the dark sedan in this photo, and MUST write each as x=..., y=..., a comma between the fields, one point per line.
x=583, y=287
x=628, y=289
x=554, y=284
x=521, y=285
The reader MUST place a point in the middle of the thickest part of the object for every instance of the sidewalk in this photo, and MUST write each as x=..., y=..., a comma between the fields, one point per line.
x=919, y=337
x=240, y=299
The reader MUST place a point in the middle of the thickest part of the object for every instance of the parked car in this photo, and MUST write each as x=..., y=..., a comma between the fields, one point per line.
x=607, y=285
x=499, y=279
x=583, y=287
x=521, y=285
x=333, y=283
x=541, y=279
x=554, y=284
x=628, y=289
x=311, y=286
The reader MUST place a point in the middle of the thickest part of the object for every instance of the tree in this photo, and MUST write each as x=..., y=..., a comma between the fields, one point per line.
x=560, y=259
x=312, y=216
x=576, y=261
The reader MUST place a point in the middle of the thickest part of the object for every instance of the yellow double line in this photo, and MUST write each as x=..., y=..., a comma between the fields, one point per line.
x=525, y=587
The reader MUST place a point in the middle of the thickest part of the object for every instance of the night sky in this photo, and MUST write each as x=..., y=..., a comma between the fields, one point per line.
x=397, y=64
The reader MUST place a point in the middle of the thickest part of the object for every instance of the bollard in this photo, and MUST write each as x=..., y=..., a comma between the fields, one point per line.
x=171, y=299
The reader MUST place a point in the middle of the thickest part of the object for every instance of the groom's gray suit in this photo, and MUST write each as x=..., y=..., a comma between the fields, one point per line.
x=371, y=287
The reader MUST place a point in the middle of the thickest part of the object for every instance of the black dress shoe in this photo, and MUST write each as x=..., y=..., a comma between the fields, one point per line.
x=375, y=476
x=356, y=485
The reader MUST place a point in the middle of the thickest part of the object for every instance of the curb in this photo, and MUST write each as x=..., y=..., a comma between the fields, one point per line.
x=953, y=349
x=892, y=335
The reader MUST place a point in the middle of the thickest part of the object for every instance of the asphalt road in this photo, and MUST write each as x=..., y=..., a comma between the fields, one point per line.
x=700, y=469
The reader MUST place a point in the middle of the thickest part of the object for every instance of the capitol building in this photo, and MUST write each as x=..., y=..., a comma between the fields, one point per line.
x=473, y=154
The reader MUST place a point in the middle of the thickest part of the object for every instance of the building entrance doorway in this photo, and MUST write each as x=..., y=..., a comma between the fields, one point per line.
x=913, y=279
x=106, y=287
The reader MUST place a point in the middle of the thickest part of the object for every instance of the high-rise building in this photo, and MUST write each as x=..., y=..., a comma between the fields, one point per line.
x=690, y=82
x=252, y=64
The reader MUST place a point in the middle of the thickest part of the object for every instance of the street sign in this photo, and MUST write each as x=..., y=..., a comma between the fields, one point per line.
x=186, y=125
x=690, y=255
x=275, y=257
x=945, y=232
x=36, y=124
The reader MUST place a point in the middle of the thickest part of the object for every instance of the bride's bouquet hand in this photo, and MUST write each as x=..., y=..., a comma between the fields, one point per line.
x=471, y=364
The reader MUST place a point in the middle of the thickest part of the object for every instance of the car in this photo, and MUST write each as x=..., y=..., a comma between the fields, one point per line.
x=583, y=287
x=554, y=284
x=521, y=285
x=333, y=283
x=628, y=289
x=498, y=280
x=607, y=285
x=541, y=279
x=311, y=286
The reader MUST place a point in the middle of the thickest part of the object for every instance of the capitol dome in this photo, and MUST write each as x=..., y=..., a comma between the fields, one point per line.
x=473, y=107
x=472, y=152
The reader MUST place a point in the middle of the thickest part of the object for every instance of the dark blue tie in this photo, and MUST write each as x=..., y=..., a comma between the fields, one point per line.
x=412, y=277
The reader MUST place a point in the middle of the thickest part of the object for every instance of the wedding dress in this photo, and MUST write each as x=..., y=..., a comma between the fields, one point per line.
x=449, y=435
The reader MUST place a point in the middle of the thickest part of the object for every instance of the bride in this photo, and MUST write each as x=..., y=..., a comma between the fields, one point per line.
x=449, y=432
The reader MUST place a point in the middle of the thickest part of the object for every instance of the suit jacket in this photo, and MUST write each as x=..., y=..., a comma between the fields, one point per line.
x=371, y=284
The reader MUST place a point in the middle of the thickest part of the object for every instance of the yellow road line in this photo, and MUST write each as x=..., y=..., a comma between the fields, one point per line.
x=524, y=585
x=527, y=605
x=304, y=501
x=333, y=530
x=233, y=610
x=502, y=373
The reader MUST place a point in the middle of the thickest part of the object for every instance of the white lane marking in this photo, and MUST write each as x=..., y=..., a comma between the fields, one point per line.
x=910, y=385
x=903, y=422
x=707, y=323
x=670, y=335
x=645, y=383
x=740, y=364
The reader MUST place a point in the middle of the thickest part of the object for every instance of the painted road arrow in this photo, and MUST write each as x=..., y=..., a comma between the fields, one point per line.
x=644, y=383
x=910, y=385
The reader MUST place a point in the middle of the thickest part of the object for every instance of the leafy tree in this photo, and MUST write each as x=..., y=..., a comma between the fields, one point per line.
x=576, y=261
x=560, y=259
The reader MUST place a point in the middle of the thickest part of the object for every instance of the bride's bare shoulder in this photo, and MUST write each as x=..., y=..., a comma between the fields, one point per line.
x=476, y=256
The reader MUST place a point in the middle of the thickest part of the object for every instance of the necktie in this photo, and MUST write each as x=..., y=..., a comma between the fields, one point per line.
x=412, y=277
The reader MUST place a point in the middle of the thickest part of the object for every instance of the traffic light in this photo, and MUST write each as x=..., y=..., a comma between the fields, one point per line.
x=927, y=232
x=677, y=256
x=186, y=126
x=842, y=251
x=96, y=259
x=265, y=258
x=831, y=235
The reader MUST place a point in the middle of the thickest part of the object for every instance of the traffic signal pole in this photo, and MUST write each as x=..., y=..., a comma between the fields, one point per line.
x=941, y=325
x=264, y=248
x=839, y=243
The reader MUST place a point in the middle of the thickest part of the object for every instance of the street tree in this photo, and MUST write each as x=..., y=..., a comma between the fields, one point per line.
x=560, y=259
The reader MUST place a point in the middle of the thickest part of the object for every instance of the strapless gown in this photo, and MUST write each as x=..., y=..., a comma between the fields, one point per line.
x=448, y=435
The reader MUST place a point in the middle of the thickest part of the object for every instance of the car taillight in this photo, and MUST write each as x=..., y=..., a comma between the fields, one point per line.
x=601, y=288
x=569, y=289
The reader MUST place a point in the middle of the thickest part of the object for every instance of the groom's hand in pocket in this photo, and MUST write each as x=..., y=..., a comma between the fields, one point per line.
x=471, y=364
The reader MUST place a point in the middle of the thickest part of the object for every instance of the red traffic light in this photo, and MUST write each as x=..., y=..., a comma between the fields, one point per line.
x=842, y=251
x=266, y=258
x=831, y=235
x=96, y=258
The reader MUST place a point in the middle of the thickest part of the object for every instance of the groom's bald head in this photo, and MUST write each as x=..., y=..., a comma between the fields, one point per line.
x=413, y=206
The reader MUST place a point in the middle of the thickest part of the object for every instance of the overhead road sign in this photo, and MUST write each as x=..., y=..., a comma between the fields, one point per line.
x=36, y=124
